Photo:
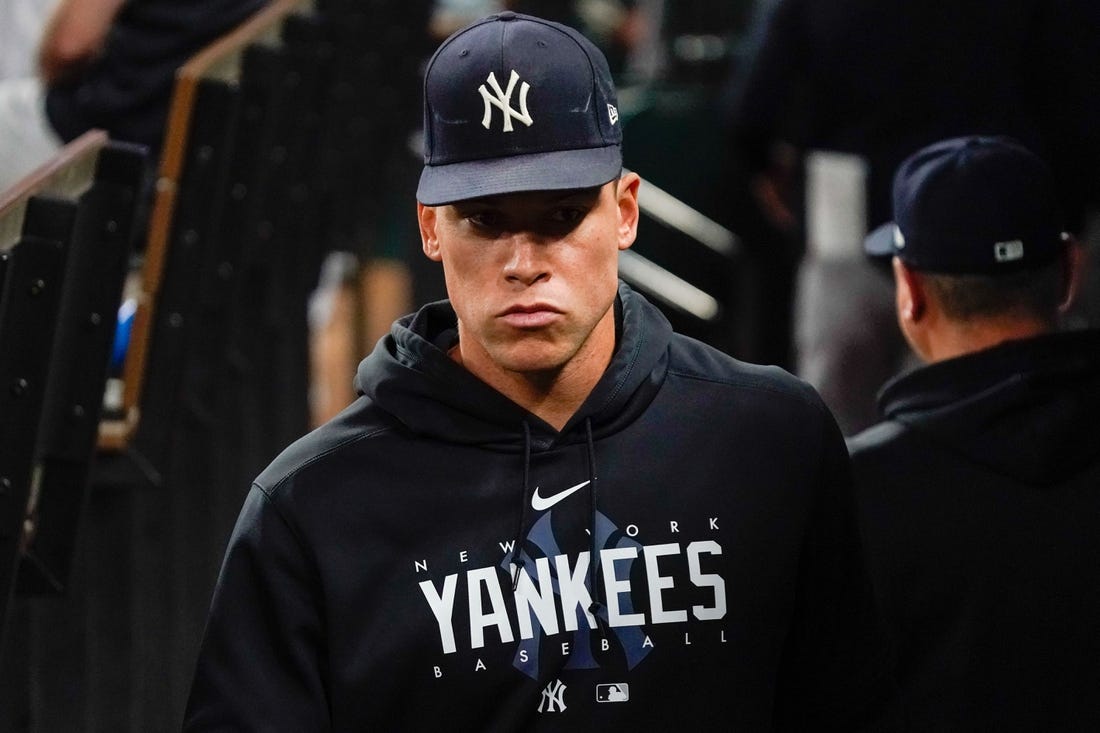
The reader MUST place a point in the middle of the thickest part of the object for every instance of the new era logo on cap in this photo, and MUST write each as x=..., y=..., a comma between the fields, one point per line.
x=516, y=103
x=977, y=205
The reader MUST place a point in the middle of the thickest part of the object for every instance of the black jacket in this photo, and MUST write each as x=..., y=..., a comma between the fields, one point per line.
x=980, y=504
x=372, y=581
x=128, y=90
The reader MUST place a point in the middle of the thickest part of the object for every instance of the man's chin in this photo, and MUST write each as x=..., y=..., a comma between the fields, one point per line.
x=533, y=365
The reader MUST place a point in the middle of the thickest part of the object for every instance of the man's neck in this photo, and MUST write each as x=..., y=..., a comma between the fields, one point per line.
x=553, y=395
x=963, y=338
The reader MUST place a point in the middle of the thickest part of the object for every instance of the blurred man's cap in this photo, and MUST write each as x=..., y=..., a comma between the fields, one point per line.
x=516, y=103
x=972, y=205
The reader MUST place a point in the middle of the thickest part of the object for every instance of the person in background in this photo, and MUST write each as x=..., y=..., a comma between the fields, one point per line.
x=839, y=92
x=543, y=494
x=978, y=490
x=106, y=64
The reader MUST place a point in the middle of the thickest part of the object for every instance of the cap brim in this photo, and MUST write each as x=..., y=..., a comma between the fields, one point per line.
x=554, y=171
x=880, y=242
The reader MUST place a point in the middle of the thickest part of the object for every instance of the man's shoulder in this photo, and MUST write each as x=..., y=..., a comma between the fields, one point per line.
x=879, y=438
x=322, y=449
x=690, y=359
x=890, y=451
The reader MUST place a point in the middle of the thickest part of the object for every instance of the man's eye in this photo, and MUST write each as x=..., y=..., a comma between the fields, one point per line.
x=484, y=219
x=567, y=215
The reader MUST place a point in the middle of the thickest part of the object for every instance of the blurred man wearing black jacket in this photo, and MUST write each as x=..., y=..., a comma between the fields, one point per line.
x=977, y=493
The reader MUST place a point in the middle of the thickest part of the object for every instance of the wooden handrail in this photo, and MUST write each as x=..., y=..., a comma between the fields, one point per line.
x=219, y=60
x=66, y=175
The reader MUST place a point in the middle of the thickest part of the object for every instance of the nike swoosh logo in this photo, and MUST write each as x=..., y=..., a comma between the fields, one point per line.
x=540, y=503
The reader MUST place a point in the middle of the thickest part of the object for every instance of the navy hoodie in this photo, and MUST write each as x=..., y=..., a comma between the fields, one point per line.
x=374, y=580
x=980, y=502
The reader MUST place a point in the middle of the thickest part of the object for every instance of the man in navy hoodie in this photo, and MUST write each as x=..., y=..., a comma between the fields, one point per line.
x=978, y=492
x=546, y=511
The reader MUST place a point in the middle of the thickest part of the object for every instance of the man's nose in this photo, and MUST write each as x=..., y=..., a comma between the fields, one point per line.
x=527, y=261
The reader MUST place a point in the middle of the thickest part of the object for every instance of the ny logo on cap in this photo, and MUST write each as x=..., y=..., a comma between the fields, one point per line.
x=503, y=101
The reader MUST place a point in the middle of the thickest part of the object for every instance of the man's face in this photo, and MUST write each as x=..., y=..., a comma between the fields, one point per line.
x=533, y=276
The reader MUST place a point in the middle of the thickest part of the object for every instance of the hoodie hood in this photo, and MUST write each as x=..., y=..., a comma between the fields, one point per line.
x=1024, y=409
x=410, y=376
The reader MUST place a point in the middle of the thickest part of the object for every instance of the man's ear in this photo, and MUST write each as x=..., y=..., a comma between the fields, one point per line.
x=909, y=292
x=1073, y=267
x=629, y=213
x=916, y=318
x=429, y=242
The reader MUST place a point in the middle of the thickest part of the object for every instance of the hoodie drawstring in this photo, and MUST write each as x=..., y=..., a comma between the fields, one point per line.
x=517, y=547
x=597, y=603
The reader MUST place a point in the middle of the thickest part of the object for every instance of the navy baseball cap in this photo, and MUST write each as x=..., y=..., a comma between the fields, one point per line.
x=516, y=103
x=972, y=205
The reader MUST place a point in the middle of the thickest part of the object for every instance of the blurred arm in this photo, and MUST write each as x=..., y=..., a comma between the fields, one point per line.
x=74, y=36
